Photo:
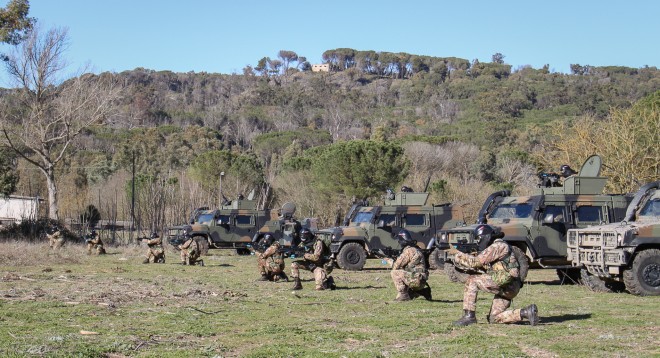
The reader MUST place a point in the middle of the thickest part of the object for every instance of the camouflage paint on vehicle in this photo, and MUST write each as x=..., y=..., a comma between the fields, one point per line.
x=626, y=252
x=537, y=225
x=369, y=231
x=234, y=225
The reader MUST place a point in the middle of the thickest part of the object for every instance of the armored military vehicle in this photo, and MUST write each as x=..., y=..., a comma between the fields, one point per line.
x=369, y=231
x=234, y=225
x=626, y=252
x=536, y=225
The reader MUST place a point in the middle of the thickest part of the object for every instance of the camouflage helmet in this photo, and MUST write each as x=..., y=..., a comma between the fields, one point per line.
x=566, y=171
x=268, y=239
x=485, y=234
x=51, y=229
x=306, y=235
x=405, y=239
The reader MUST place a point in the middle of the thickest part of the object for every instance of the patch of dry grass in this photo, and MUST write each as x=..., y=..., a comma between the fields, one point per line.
x=47, y=298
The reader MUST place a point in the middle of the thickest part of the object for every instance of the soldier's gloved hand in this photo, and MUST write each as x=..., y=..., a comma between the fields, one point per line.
x=452, y=251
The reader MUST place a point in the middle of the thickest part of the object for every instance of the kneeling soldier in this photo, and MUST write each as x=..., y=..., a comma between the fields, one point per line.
x=156, y=251
x=270, y=260
x=316, y=261
x=409, y=271
x=500, y=277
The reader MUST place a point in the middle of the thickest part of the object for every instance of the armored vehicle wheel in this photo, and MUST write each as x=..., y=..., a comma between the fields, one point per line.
x=435, y=262
x=523, y=262
x=569, y=276
x=643, y=277
x=352, y=257
x=596, y=284
x=454, y=274
x=203, y=245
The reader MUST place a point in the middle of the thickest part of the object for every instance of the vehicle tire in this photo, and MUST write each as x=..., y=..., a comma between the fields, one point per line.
x=570, y=276
x=203, y=245
x=454, y=274
x=352, y=257
x=596, y=284
x=643, y=277
x=523, y=262
x=435, y=262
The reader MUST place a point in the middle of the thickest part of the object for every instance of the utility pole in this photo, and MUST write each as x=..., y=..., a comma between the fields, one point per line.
x=132, y=199
x=220, y=196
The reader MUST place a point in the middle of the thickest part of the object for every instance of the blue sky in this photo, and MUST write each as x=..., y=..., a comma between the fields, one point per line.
x=225, y=36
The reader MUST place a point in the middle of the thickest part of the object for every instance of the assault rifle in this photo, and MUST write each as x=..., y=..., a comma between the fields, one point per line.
x=387, y=252
x=257, y=247
x=296, y=251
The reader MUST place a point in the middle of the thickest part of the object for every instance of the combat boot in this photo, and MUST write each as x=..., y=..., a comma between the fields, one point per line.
x=426, y=293
x=402, y=296
x=467, y=319
x=330, y=283
x=530, y=313
x=297, y=284
x=146, y=261
x=263, y=277
x=283, y=276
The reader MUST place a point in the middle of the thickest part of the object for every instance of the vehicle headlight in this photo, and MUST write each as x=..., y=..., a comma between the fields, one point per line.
x=609, y=239
x=572, y=241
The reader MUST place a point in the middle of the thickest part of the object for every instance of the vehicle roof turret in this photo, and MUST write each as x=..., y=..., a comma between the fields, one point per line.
x=406, y=198
x=587, y=181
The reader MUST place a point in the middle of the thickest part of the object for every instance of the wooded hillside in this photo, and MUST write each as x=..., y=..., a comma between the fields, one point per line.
x=376, y=120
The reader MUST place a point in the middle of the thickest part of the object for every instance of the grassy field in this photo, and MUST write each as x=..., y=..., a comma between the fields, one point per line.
x=69, y=304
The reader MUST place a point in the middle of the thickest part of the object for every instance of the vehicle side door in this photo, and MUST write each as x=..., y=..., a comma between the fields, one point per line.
x=245, y=227
x=553, y=223
x=386, y=225
x=418, y=223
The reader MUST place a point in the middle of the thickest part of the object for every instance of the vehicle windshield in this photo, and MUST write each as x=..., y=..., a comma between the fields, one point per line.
x=205, y=219
x=651, y=209
x=363, y=217
x=512, y=211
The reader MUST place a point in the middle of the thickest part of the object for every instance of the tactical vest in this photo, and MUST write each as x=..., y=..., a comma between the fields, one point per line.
x=500, y=271
x=417, y=265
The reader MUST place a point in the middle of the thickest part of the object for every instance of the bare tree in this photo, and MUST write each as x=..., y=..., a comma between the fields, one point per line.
x=45, y=116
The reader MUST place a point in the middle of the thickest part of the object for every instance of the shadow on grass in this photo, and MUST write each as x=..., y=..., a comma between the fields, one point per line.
x=359, y=287
x=384, y=268
x=550, y=283
x=447, y=301
x=565, y=317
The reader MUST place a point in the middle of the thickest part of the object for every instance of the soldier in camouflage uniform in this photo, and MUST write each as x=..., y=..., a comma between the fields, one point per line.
x=94, y=244
x=55, y=237
x=316, y=261
x=409, y=271
x=499, y=275
x=190, y=251
x=156, y=252
x=270, y=260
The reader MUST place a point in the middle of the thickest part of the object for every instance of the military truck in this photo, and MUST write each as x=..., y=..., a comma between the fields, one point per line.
x=234, y=225
x=536, y=225
x=626, y=252
x=369, y=231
